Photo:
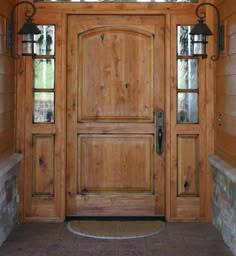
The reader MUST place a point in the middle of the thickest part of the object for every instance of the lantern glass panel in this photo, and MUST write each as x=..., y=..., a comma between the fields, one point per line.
x=27, y=44
x=199, y=46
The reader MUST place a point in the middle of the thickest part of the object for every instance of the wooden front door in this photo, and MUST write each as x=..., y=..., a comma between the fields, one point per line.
x=115, y=86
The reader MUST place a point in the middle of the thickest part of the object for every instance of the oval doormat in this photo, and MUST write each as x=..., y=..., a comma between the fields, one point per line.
x=115, y=229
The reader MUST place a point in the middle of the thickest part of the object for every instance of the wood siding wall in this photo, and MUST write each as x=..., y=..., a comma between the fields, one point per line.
x=225, y=111
x=7, y=87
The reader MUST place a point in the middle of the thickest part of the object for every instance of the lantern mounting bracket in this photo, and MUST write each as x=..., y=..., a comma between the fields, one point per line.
x=202, y=29
x=28, y=28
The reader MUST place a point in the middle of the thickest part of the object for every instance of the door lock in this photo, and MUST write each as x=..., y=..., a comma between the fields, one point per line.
x=159, y=131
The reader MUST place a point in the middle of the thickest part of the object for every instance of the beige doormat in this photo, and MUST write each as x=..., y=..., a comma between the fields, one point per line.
x=114, y=229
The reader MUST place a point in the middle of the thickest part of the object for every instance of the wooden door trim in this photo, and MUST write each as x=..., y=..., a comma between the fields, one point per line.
x=108, y=128
x=118, y=8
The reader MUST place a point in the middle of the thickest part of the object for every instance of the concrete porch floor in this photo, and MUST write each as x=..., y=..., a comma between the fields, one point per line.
x=53, y=239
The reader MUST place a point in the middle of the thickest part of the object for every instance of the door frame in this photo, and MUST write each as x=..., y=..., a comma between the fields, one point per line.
x=159, y=97
x=24, y=68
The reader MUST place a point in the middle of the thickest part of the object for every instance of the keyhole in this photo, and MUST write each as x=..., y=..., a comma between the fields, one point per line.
x=186, y=186
x=40, y=161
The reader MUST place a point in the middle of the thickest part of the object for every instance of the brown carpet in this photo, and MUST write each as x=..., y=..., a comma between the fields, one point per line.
x=115, y=229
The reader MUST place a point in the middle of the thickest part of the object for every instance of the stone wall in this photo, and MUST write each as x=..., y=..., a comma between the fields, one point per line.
x=8, y=196
x=224, y=200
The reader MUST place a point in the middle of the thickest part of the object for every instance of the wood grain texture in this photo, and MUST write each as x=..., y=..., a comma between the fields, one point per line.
x=122, y=80
x=6, y=121
x=181, y=167
x=43, y=165
x=122, y=161
x=7, y=84
x=134, y=205
x=164, y=97
x=226, y=88
x=7, y=88
x=188, y=165
x=118, y=8
x=115, y=163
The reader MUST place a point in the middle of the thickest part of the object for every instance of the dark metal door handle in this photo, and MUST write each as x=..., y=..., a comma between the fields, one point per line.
x=159, y=131
x=160, y=137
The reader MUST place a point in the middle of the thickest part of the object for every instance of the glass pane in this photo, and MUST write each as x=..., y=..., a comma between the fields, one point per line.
x=157, y=1
x=187, y=108
x=45, y=42
x=199, y=45
x=43, y=107
x=187, y=73
x=44, y=73
x=184, y=46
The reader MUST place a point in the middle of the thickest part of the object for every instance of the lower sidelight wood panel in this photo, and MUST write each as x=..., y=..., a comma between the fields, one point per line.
x=188, y=165
x=43, y=165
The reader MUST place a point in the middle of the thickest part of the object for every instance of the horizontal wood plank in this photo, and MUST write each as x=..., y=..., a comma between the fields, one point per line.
x=226, y=85
x=7, y=140
x=231, y=25
x=226, y=9
x=226, y=104
x=226, y=66
x=134, y=205
x=6, y=103
x=188, y=208
x=41, y=208
x=6, y=121
x=7, y=153
x=6, y=65
x=226, y=135
x=6, y=8
x=231, y=44
x=7, y=83
x=116, y=8
x=106, y=128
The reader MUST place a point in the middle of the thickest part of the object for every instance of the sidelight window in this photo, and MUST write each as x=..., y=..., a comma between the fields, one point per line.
x=187, y=78
x=44, y=75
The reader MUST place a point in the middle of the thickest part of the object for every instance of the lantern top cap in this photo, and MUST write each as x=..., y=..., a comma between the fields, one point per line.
x=201, y=29
x=29, y=28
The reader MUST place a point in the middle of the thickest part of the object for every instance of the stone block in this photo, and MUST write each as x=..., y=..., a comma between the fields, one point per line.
x=224, y=200
x=8, y=196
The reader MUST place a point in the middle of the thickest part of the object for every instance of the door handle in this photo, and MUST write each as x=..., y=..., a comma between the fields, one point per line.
x=159, y=131
x=160, y=137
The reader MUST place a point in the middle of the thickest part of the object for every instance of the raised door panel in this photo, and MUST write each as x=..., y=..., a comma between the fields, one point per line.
x=188, y=165
x=43, y=165
x=115, y=163
x=113, y=94
x=115, y=74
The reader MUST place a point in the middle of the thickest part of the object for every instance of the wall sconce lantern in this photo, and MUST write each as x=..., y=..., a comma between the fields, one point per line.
x=200, y=32
x=28, y=30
